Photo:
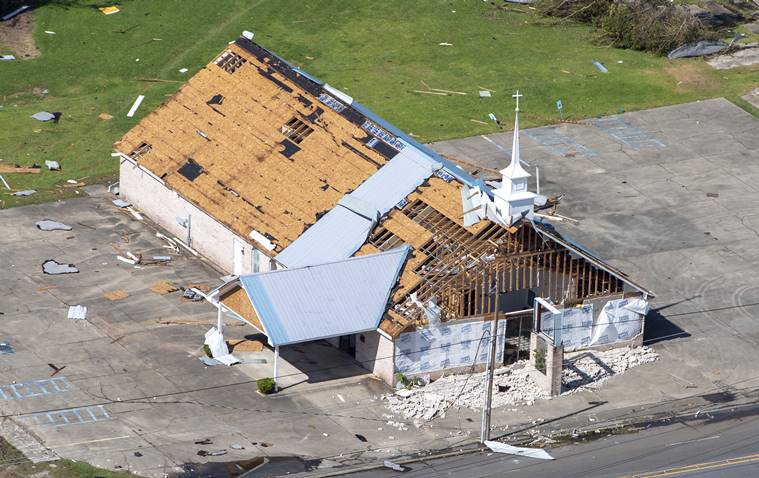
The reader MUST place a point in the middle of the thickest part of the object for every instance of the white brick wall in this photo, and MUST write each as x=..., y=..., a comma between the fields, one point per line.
x=162, y=205
x=375, y=353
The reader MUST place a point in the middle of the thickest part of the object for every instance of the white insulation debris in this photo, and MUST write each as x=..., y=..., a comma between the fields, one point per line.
x=582, y=371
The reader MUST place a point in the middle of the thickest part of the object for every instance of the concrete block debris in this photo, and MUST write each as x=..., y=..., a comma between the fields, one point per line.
x=77, y=312
x=53, y=165
x=50, y=225
x=514, y=385
x=499, y=447
x=26, y=192
x=54, y=267
x=121, y=203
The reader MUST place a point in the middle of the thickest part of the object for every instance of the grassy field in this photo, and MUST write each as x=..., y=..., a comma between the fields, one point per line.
x=379, y=52
x=15, y=465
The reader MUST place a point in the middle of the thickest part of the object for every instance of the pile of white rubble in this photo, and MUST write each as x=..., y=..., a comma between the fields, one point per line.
x=513, y=385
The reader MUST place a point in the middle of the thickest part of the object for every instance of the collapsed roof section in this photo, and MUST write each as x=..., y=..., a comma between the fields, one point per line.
x=265, y=148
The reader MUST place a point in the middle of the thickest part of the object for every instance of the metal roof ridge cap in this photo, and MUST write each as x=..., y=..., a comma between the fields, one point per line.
x=394, y=250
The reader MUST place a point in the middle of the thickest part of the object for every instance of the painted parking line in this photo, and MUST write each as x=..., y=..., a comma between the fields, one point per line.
x=69, y=416
x=627, y=134
x=699, y=467
x=558, y=143
x=35, y=388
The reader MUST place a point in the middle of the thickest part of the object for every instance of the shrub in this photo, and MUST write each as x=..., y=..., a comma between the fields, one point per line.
x=207, y=350
x=266, y=385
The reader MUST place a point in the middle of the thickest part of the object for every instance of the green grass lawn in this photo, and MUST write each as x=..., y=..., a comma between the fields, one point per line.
x=379, y=52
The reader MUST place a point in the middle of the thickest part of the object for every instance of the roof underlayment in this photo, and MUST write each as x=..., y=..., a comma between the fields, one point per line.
x=326, y=300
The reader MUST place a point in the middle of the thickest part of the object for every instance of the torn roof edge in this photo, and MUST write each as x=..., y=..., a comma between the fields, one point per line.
x=554, y=235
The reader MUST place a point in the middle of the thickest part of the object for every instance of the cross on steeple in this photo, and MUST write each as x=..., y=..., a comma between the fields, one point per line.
x=517, y=96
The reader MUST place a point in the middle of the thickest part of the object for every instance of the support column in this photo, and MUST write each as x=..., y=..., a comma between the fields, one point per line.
x=276, y=368
x=219, y=320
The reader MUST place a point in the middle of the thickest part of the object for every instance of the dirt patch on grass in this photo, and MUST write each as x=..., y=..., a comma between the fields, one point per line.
x=17, y=35
x=692, y=76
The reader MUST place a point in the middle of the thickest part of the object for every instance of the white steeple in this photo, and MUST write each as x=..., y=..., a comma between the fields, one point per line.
x=512, y=199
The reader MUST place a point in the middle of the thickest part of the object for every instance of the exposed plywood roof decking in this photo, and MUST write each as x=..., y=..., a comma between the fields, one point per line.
x=240, y=127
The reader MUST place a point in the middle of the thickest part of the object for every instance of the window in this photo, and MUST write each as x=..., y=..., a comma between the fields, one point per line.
x=520, y=186
x=255, y=265
x=296, y=130
x=230, y=61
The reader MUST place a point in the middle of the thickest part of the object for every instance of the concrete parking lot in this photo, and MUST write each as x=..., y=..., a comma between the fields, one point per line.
x=668, y=194
x=133, y=393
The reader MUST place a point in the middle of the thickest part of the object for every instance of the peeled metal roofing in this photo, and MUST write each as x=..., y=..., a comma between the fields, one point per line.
x=344, y=229
x=396, y=179
x=326, y=300
x=336, y=236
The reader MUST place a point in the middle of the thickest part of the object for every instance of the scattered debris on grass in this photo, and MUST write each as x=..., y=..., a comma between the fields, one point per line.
x=53, y=165
x=15, y=12
x=445, y=44
x=16, y=169
x=105, y=116
x=5, y=183
x=54, y=267
x=701, y=48
x=513, y=385
x=183, y=70
x=50, y=225
x=109, y=10
x=7, y=57
x=135, y=105
x=600, y=67
x=77, y=312
x=47, y=116
x=116, y=295
x=485, y=94
x=26, y=192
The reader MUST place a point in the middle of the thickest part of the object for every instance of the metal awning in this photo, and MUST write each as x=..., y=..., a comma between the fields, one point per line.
x=325, y=300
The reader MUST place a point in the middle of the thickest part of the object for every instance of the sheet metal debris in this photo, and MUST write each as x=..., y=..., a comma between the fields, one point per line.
x=53, y=165
x=702, y=48
x=600, y=67
x=485, y=94
x=6, y=348
x=135, y=105
x=26, y=192
x=121, y=203
x=15, y=12
x=50, y=225
x=46, y=116
x=393, y=466
x=499, y=447
x=7, y=57
x=77, y=312
x=54, y=267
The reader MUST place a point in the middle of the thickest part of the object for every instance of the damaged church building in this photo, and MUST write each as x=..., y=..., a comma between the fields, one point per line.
x=337, y=226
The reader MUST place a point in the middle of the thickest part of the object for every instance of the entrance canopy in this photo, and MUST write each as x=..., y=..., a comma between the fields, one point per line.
x=324, y=300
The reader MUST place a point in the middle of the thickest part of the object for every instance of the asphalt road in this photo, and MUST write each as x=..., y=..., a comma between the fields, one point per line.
x=721, y=446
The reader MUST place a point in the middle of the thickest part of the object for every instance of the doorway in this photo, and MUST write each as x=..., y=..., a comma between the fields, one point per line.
x=517, y=343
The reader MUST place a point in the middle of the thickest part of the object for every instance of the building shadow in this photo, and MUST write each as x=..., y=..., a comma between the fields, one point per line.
x=659, y=328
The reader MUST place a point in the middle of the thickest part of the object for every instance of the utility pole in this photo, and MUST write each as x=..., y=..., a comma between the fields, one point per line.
x=487, y=406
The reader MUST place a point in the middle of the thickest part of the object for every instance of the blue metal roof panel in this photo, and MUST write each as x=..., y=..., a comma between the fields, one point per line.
x=335, y=236
x=326, y=300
